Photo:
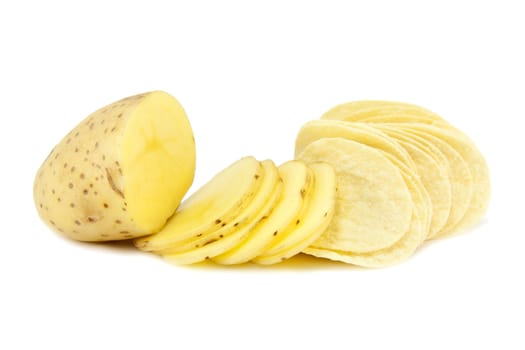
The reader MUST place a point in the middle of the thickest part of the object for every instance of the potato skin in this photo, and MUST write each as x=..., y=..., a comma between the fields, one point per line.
x=79, y=190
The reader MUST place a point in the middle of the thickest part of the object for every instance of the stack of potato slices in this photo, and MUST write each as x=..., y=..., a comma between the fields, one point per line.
x=372, y=180
x=251, y=210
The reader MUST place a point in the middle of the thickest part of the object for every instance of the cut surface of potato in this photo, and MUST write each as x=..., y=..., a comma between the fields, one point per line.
x=220, y=200
x=373, y=207
x=232, y=233
x=312, y=222
x=296, y=180
x=121, y=172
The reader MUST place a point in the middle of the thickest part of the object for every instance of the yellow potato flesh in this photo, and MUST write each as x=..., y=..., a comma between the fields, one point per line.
x=296, y=180
x=219, y=201
x=233, y=232
x=311, y=222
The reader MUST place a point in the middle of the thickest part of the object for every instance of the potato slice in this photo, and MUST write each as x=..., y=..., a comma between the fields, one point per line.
x=373, y=207
x=367, y=110
x=121, y=172
x=359, y=132
x=268, y=180
x=433, y=174
x=296, y=179
x=312, y=222
x=235, y=231
x=220, y=200
x=477, y=166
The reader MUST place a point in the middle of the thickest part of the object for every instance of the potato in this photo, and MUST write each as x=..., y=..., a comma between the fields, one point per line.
x=121, y=172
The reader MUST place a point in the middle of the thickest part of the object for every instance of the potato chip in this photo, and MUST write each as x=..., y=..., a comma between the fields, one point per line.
x=476, y=164
x=367, y=110
x=373, y=207
x=432, y=172
x=359, y=132
x=401, y=249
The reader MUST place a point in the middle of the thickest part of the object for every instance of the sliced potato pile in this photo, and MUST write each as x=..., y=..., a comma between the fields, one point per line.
x=381, y=150
x=251, y=211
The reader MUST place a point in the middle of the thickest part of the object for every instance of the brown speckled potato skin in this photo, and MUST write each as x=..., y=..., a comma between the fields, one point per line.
x=78, y=189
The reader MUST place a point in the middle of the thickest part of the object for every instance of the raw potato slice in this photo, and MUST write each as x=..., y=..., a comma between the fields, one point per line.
x=221, y=199
x=476, y=164
x=235, y=231
x=433, y=174
x=320, y=207
x=360, y=111
x=373, y=207
x=296, y=181
x=121, y=172
x=362, y=133
x=268, y=181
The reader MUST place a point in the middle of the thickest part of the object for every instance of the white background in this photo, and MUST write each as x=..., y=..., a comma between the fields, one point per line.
x=249, y=74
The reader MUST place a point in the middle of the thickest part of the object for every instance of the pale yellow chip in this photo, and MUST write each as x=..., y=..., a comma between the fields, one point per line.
x=405, y=246
x=232, y=233
x=221, y=199
x=367, y=110
x=459, y=178
x=476, y=164
x=432, y=172
x=373, y=206
x=320, y=207
x=359, y=132
x=296, y=180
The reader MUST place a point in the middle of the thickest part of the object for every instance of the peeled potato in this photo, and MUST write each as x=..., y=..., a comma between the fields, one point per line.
x=217, y=202
x=120, y=173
